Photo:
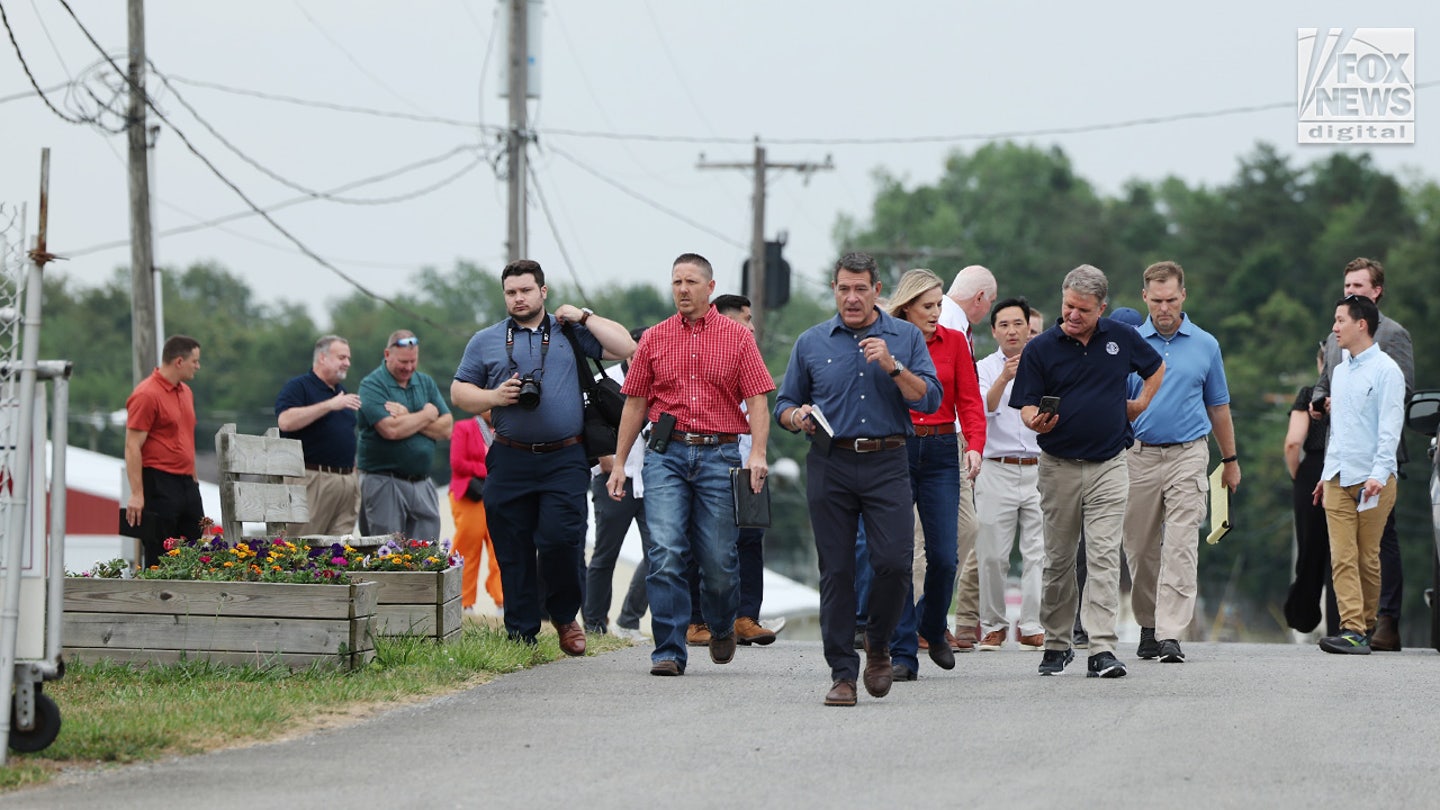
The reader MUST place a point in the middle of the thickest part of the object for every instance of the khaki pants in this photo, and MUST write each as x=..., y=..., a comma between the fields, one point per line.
x=1076, y=494
x=967, y=581
x=1006, y=498
x=1166, y=505
x=334, y=502
x=1355, y=551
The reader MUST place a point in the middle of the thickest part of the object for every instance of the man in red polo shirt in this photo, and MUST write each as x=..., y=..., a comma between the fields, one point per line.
x=696, y=367
x=160, y=451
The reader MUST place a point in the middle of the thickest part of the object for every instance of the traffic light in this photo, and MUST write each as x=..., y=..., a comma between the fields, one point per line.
x=777, y=276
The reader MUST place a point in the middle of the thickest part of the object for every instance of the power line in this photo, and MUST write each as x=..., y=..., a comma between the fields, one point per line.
x=360, y=66
x=241, y=194
x=653, y=204
x=20, y=55
x=554, y=231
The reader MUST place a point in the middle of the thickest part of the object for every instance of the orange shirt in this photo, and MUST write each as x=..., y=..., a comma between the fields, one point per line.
x=167, y=413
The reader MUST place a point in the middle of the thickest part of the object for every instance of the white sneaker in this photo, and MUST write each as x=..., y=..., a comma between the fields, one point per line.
x=627, y=633
x=774, y=625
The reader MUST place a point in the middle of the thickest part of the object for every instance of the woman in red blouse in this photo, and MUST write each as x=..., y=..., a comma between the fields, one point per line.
x=935, y=469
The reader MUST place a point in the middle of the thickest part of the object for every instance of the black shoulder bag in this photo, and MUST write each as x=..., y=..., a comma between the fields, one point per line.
x=603, y=402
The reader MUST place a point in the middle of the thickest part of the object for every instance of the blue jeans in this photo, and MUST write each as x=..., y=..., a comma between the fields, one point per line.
x=935, y=485
x=691, y=512
x=863, y=575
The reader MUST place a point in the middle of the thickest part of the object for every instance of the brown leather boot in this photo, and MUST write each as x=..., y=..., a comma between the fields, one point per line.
x=1387, y=634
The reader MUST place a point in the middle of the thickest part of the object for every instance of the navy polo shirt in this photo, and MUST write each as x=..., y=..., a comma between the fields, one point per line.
x=561, y=413
x=1090, y=381
x=329, y=440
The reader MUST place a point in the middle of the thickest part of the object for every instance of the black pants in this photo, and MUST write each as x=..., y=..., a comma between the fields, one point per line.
x=839, y=488
x=1392, y=579
x=1312, y=555
x=172, y=509
x=750, y=547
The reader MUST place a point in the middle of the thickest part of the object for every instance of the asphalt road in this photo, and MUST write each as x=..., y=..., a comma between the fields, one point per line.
x=1239, y=725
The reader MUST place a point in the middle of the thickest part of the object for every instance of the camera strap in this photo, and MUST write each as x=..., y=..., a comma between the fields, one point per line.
x=582, y=361
x=544, y=343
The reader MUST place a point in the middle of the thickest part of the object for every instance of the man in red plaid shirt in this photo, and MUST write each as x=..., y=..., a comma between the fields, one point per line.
x=697, y=367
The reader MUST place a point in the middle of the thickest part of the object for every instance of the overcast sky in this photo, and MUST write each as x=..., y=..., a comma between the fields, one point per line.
x=675, y=72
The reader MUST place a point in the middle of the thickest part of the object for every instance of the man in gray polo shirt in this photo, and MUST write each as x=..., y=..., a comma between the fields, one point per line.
x=402, y=415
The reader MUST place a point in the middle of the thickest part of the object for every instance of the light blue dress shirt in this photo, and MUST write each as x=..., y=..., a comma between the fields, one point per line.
x=1367, y=410
x=1194, y=381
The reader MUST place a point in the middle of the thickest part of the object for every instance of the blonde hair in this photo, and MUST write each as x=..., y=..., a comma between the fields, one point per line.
x=913, y=284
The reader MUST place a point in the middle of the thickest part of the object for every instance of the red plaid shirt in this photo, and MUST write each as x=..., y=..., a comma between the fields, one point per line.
x=700, y=372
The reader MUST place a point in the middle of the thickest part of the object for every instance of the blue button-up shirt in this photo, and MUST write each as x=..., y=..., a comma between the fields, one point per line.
x=1367, y=410
x=828, y=369
x=560, y=414
x=1194, y=381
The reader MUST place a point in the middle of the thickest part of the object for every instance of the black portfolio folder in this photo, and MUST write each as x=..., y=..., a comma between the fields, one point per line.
x=752, y=511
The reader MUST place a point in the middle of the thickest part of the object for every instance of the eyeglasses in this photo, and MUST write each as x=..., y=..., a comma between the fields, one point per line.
x=1352, y=297
x=406, y=341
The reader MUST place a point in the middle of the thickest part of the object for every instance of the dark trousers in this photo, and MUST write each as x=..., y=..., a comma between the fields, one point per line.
x=751, y=548
x=839, y=488
x=1392, y=579
x=535, y=504
x=612, y=522
x=172, y=509
x=1312, y=555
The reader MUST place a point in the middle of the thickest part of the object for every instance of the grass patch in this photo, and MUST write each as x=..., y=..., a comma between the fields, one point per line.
x=115, y=714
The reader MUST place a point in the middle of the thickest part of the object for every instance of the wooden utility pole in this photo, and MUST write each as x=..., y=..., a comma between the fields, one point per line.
x=142, y=258
x=519, y=76
x=757, y=224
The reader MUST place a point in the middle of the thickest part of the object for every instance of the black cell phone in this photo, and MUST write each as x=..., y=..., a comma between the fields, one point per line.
x=660, y=433
x=1050, y=405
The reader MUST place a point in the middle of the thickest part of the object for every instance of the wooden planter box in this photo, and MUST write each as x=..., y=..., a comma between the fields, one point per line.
x=416, y=603
x=263, y=623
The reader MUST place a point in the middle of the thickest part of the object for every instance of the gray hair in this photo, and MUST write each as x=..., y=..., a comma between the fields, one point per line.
x=855, y=262
x=1087, y=280
x=971, y=280
x=322, y=346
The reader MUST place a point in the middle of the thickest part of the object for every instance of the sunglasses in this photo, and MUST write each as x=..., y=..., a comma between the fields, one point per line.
x=406, y=341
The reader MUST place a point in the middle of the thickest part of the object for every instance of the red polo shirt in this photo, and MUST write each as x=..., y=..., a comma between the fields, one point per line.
x=956, y=369
x=700, y=372
x=166, y=412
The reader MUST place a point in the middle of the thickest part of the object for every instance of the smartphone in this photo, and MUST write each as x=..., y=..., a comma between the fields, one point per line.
x=660, y=433
x=1050, y=405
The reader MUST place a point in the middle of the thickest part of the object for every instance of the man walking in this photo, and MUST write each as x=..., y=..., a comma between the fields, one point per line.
x=861, y=372
x=536, y=468
x=1357, y=486
x=1071, y=389
x=697, y=367
x=402, y=415
x=1367, y=277
x=1168, y=466
x=160, y=451
x=316, y=409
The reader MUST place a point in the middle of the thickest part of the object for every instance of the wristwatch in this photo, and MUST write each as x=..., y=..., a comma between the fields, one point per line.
x=899, y=367
x=585, y=313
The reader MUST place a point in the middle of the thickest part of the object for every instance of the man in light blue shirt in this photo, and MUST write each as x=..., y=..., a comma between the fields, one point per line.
x=1357, y=485
x=1168, y=465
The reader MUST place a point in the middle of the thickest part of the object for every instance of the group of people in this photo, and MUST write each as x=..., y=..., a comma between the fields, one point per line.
x=1084, y=438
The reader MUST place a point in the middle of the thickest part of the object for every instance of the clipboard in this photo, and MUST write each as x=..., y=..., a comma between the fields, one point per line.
x=1220, y=524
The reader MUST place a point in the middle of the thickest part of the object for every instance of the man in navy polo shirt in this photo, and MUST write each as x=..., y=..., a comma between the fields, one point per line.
x=1083, y=480
x=316, y=409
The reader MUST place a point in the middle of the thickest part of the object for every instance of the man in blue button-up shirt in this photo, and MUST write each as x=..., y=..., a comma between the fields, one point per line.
x=863, y=371
x=1357, y=485
x=1168, y=465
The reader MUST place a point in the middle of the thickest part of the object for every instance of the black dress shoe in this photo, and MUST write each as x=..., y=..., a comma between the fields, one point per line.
x=900, y=672
x=942, y=655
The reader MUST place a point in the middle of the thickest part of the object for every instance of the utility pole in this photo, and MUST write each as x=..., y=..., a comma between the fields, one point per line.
x=758, y=167
x=518, y=92
x=142, y=259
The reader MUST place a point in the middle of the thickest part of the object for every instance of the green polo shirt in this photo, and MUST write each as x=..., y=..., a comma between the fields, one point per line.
x=411, y=456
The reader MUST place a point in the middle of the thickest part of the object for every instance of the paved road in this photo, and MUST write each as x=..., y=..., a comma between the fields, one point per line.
x=1241, y=725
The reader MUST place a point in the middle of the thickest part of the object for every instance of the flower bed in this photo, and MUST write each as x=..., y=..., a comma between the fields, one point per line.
x=416, y=603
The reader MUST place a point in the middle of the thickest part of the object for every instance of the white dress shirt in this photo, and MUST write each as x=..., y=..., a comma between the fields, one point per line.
x=1005, y=434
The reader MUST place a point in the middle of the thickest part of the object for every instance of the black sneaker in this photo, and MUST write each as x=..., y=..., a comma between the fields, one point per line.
x=1149, y=647
x=901, y=672
x=1055, y=661
x=1170, y=652
x=1082, y=639
x=1105, y=665
x=1348, y=642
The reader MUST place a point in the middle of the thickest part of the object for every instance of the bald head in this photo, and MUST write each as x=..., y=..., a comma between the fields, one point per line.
x=974, y=290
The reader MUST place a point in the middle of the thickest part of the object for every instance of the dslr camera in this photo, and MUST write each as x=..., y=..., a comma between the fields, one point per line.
x=529, y=392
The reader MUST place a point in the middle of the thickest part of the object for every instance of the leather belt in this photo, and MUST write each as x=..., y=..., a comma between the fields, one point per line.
x=947, y=429
x=542, y=447
x=1163, y=444
x=325, y=469
x=869, y=445
x=414, y=479
x=703, y=438
x=1023, y=461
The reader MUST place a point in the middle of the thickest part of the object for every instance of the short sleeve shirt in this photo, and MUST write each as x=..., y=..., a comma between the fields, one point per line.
x=413, y=454
x=166, y=412
x=329, y=440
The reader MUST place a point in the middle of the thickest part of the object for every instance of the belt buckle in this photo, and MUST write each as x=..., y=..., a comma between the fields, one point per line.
x=535, y=449
x=872, y=445
x=709, y=439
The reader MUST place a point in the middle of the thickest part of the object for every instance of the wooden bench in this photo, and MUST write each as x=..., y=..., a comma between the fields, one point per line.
x=262, y=496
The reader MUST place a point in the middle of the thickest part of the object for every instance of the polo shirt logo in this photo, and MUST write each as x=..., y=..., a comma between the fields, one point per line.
x=1111, y=347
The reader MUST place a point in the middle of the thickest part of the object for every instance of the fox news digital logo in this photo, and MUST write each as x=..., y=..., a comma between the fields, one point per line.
x=1356, y=85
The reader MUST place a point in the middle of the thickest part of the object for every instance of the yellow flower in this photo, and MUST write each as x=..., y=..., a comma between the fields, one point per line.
x=275, y=568
x=174, y=552
x=229, y=564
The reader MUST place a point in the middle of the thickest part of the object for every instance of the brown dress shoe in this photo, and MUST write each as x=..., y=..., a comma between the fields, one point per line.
x=698, y=636
x=962, y=642
x=879, y=674
x=924, y=645
x=572, y=638
x=722, y=650
x=1387, y=634
x=748, y=631
x=667, y=668
x=1033, y=642
x=841, y=694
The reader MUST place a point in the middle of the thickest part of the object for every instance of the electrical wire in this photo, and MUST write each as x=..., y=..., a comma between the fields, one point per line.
x=555, y=232
x=360, y=66
x=330, y=105
x=20, y=55
x=304, y=248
